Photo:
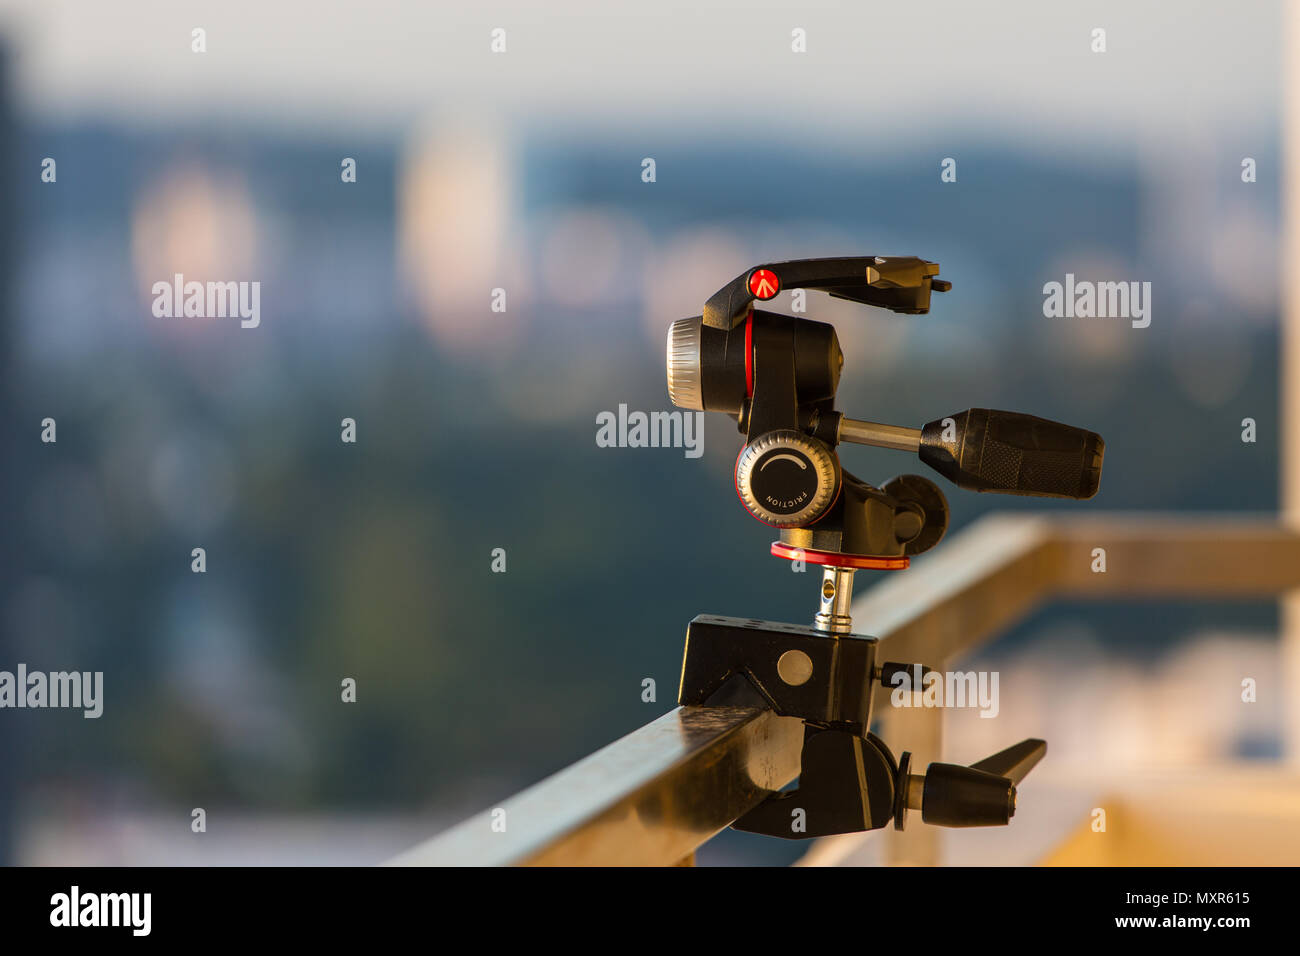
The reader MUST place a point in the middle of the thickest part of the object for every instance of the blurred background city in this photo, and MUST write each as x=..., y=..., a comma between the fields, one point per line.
x=522, y=170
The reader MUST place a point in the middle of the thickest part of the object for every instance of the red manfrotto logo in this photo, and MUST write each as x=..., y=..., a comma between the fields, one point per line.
x=763, y=284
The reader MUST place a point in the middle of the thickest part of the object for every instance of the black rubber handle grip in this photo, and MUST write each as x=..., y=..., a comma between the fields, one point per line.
x=983, y=449
x=964, y=797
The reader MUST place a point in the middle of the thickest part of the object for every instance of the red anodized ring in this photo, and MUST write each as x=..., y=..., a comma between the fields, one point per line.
x=749, y=354
x=837, y=560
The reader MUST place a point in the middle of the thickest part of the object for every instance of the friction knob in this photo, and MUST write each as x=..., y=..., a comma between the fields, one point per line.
x=786, y=478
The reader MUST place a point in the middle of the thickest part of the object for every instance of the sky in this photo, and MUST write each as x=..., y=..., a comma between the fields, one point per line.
x=1020, y=69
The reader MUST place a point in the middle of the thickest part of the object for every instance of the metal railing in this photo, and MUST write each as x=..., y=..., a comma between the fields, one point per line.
x=657, y=794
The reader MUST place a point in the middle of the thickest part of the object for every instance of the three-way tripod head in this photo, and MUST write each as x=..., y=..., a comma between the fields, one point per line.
x=777, y=375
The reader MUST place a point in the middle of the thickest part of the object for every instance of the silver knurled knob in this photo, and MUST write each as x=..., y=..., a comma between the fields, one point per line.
x=684, y=364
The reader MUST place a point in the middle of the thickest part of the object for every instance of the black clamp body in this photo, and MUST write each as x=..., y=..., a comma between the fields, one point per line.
x=797, y=670
x=826, y=681
x=849, y=780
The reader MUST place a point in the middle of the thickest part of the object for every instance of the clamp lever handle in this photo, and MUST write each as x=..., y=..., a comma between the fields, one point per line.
x=981, y=795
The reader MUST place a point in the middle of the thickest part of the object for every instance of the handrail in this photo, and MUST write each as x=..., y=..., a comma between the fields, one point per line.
x=655, y=795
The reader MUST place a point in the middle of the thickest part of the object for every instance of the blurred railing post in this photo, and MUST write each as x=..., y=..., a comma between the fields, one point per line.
x=9, y=474
x=1289, y=371
x=922, y=728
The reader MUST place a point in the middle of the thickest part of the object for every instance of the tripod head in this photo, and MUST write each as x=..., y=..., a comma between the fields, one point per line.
x=777, y=375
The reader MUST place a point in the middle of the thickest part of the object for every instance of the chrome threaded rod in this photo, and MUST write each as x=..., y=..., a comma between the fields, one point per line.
x=837, y=600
